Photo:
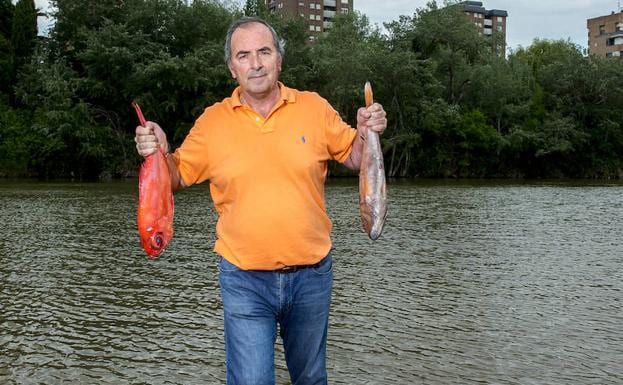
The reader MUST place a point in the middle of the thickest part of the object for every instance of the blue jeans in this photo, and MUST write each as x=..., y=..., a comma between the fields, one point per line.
x=255, y=302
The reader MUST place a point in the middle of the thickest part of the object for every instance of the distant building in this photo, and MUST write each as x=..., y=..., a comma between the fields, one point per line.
x=605, y=35
x=318, y=13
x=488, y=21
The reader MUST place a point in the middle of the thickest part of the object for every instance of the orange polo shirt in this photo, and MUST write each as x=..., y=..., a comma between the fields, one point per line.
x=267, y=176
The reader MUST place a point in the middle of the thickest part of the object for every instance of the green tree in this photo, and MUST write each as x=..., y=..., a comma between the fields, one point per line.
x=497, y=88
x=298, y=69
x=476, y=144
x=407, y=88
x=447, y=37
x=23, y=32
x=455, y=108
x=556, y=130
x=255, y=8
x=6, y=18
x=342, y=62
x=6, y=70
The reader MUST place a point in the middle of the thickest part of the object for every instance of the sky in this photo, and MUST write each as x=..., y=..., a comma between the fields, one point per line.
x=527, y=19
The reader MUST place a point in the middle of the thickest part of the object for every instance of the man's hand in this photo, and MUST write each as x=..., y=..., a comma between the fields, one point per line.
x=148, y=139
x=373, y=118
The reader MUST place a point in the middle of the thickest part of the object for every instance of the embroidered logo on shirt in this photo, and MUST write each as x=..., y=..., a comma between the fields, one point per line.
x=303, y=139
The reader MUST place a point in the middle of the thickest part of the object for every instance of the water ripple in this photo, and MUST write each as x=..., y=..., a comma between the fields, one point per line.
x=471, y=283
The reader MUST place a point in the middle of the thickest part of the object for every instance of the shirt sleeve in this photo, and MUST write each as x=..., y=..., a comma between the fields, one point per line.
x=191, y=157
x=339, y=135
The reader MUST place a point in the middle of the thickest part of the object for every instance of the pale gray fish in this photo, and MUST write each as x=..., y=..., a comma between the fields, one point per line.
x=372, y=187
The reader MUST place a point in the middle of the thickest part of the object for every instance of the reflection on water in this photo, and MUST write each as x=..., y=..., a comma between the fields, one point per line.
x=471, y=283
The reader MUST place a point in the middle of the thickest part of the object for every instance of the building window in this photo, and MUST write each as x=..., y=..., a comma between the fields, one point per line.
x=499, y=28
x=344, y=10
x=618, y=26
x=318, y=28
x=602, y=29
x=301, y=3
x=500, y=19
x=312, y=5
x=312, y=28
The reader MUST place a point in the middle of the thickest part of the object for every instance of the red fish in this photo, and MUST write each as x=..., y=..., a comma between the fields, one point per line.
x=155, y=201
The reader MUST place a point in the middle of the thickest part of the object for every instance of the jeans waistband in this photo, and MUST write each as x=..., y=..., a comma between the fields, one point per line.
x=292, y=269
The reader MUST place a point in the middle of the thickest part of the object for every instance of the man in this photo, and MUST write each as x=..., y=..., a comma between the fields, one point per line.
x=265, y=151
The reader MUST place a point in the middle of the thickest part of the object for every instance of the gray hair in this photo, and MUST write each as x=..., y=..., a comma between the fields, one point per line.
x=277, y=41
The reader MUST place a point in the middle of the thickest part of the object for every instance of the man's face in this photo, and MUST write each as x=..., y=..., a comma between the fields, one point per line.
x=255, y=62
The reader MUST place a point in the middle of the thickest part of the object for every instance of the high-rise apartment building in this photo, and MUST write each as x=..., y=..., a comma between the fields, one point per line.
x=318, y=13
x=605, y=35
x=488, y=21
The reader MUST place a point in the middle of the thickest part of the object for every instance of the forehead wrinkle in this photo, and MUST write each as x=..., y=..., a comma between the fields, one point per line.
x=248, y=28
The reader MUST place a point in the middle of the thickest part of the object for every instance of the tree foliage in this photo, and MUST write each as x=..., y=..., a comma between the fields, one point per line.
x=455, y=107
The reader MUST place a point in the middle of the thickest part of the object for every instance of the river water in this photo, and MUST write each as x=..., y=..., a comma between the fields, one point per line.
x=471, y=283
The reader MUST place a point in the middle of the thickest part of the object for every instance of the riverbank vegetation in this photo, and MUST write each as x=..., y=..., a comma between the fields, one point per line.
x=455, y=109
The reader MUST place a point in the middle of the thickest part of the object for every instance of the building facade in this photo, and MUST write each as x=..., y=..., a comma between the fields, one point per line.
x=605, y=35
x=488, y=21
x=318, y=13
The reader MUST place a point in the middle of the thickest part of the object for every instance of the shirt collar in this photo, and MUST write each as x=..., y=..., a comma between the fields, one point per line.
x=287, y=95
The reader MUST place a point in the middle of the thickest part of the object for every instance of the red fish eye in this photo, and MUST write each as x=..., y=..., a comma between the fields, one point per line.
x=157, y=240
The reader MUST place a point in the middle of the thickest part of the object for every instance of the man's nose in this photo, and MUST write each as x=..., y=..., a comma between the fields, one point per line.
x=256, y=62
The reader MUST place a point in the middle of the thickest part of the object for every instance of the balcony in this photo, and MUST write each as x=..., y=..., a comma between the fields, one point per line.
x=330, y=3
x=614, y=41
x=329, y=14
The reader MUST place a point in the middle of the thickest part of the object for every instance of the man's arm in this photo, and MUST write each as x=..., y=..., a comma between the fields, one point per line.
x=354, y=159
x=177, y=183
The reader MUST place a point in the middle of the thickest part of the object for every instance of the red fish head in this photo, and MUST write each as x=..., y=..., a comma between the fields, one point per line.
x=154, y=242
